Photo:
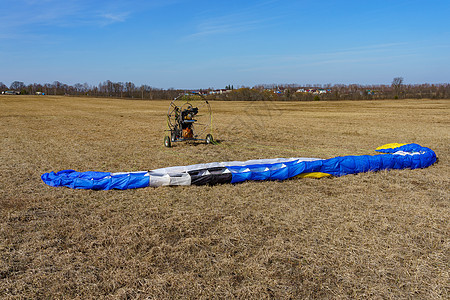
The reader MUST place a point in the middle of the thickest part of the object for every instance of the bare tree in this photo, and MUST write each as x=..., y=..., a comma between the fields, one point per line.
x=397, y=82
x=3, y=86
x=397, y=85
x=17, y=86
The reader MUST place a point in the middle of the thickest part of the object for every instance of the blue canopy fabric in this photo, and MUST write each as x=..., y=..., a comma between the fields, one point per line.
x=394, y=156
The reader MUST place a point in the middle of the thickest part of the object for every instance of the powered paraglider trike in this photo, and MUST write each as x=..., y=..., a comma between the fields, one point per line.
x=189, y=118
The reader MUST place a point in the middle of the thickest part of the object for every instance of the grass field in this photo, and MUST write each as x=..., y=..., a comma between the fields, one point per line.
x=381, y=235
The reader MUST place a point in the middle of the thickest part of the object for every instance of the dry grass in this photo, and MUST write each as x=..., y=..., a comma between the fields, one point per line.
x=375, y=235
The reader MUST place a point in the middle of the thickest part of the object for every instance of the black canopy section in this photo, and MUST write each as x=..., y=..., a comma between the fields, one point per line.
x=210, y=176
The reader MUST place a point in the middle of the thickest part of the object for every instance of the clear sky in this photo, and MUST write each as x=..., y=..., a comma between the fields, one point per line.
x=202, y=44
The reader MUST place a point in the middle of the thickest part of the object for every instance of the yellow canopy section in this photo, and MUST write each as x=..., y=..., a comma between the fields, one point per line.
x=313, y=175
x=390, y=146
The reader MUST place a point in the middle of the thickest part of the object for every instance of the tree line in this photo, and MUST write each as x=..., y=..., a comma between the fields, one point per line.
x=281, y=92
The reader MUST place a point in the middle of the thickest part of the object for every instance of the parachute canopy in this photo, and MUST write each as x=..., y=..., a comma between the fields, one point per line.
x=394, y=156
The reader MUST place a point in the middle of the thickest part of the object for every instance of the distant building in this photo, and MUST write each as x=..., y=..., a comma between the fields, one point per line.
x=314, y=91
x=219, y=92
x=11, y=93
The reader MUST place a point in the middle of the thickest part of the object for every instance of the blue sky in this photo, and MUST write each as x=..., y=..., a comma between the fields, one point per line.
x=201, y=44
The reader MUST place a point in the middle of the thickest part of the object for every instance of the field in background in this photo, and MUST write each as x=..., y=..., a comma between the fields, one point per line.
x=372, y=235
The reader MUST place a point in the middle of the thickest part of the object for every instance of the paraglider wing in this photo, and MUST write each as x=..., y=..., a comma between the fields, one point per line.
x=394, y=156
